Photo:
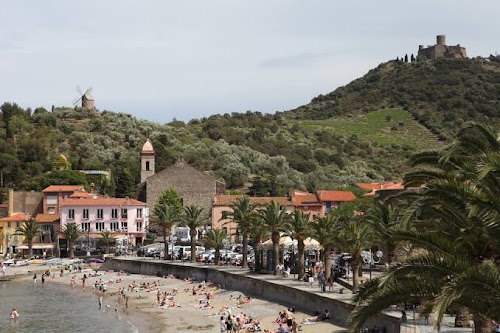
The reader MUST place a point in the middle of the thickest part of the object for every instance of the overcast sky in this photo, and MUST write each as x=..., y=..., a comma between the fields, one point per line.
x=188, y=59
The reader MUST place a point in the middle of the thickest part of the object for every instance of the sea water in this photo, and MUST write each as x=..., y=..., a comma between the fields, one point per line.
x=54, y=308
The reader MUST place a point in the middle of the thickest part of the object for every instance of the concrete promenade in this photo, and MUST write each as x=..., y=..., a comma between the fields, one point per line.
x=286, y=291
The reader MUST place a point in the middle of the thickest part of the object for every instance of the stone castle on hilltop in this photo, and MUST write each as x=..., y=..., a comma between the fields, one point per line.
x=441, y=50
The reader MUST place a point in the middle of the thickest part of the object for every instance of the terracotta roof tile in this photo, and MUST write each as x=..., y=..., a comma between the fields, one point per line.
x=336, y=196
x=380, y=186
x=64, y=188
x=101, y=201
x=228, y=200
x=46, y=218
x=305, y=199
x=81, y=195
x=15, y=218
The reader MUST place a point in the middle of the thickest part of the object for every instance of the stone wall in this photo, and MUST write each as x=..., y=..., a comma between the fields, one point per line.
x=28, y=202
x=288, y=296
x=193, y=185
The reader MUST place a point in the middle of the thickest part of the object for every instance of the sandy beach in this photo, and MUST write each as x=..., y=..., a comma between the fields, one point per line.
x=182, y=312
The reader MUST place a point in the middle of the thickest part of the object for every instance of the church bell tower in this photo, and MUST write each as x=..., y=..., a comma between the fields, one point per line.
x=147, y=161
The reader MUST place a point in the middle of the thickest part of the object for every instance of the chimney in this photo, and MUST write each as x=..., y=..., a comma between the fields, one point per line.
x=11, y=202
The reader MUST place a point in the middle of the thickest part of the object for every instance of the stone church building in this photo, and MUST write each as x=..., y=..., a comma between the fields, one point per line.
x=193, y=185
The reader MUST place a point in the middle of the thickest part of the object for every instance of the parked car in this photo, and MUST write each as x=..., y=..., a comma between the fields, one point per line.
x=22, y=262
x=9, y=262
x=94, y=261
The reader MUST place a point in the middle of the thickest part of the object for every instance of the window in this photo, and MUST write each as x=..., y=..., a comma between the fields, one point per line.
x=100, y=213
x=124, y=225
x=86, y=226
x=139, y=226
x=52, y=210
x=114, y=226
x=139, y=213
x=147, y=165
x=124, y=213
x=85, y=214
x=71, y=214
x=52, y=200
x=18, y=225
x=99, y=226
x=114, y=213
x=8, y=225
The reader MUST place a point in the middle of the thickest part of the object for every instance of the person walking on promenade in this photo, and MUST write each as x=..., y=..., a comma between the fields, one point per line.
x=311, y=277
x=322, y=282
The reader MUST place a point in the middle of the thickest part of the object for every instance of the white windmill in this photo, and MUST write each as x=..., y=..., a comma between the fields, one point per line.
x=86, y=98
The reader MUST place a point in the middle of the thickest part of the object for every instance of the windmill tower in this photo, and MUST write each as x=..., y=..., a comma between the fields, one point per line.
x=86, y=98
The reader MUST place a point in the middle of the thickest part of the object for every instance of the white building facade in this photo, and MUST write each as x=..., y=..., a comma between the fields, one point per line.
x=127, y=219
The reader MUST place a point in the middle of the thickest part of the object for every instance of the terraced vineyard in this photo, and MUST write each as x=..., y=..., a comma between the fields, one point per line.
x=385, y=127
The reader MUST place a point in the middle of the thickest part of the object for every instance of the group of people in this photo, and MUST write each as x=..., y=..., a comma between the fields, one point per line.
x=239, y=323
x=283, y=270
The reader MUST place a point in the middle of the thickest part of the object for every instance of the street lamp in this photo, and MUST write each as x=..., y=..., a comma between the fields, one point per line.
x=368, y=258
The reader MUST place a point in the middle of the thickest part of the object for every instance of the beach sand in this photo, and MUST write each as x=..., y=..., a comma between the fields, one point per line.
x=186, y=318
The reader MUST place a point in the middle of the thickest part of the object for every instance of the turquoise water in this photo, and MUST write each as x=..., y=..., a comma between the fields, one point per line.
x=56, y=308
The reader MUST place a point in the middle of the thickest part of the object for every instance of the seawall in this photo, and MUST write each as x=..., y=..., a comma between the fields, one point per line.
x=239, y=280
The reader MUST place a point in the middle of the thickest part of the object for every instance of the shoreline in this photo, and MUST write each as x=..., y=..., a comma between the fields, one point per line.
x=146, y=316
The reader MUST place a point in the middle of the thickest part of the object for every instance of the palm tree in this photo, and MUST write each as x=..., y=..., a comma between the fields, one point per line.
x=384, y=221
x=442, y=277
x=299, y=228
x=214, y=238
x=193, y=218
x=274, y=216
x=325, y=232
x=258, y=232
x=242, y=213
x=354, y=235
x=71, y=232
x=30, y=229
x=165, y=217
x=107, y=238
x=456, y=219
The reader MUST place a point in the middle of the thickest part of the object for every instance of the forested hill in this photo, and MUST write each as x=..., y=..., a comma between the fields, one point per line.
x=441, y=94
x=364, y=131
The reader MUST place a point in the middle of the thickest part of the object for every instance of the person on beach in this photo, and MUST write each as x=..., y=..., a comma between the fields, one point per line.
x=34, y=278
x=222, y=325
x=43, y=279
x=126, y=303
x=83, y=281
x=99, y=302
x=289, y=318
x=14, y=314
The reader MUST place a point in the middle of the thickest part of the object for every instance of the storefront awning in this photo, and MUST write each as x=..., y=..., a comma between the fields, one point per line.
x=38, y=246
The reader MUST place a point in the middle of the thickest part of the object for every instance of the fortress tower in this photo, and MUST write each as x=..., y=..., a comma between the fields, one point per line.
x=441, y=50
x=147, y=161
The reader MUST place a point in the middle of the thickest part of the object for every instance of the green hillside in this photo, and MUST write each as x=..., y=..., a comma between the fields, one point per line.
x=441, y=94
x=362, y=132
x=384, y=127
